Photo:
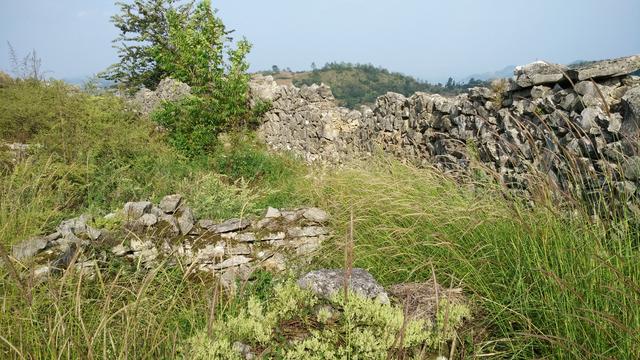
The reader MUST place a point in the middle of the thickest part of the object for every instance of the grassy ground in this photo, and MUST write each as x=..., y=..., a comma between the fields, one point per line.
x=544, y=284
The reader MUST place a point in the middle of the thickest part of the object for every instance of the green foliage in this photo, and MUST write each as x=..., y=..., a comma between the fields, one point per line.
x=89, y=153
x=120, y=314
x=359, y=327
x=360, y=84
x=144, y=28
x=191, y=123
x=196, y=51
x=197, y=43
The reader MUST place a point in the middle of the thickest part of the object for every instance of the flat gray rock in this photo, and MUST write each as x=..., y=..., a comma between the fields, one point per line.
x=631, y=168
x=74, y=226
x=246, y=237
x=316, y=215
x=608, y=68
x=631, y=111
x=29, y=248
x=307, y=231
x=186, y=221
x=326, y=283
x=239, y=249
x=231, y=262
x=169, y=204
x=170, y=224
x=538, y=73
x=272, y=213
x=148, y=220
x=206, y=223
x=231, y=225
x=134, y=210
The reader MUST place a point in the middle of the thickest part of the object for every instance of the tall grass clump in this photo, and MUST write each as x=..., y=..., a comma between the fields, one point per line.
x=118, y=312
x=547, y=283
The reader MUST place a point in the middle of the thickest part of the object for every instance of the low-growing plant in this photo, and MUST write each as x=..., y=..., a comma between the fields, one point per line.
x=285, y=326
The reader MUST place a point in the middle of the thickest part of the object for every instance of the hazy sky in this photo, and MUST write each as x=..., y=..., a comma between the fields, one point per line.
x=425, y=38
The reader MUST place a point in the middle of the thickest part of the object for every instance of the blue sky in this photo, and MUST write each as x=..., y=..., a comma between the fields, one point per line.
x=425, y=38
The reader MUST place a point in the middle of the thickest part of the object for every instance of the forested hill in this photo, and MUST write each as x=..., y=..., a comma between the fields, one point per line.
x=358, y=84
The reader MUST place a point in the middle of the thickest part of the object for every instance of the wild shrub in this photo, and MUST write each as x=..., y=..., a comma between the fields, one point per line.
x=287, y=325
x=194, y=47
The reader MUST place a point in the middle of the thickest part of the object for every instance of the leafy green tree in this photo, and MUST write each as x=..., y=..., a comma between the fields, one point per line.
x=144, y=28
x=189, y=43
x=199, y=52
x=450, y=83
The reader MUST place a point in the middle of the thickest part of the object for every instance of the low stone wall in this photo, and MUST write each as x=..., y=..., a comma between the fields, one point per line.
x=578, y=127
x=168, y=233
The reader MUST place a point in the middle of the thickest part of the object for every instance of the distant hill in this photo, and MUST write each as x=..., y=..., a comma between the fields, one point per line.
x=359, y=84
x=82, y=80
x=505, y=72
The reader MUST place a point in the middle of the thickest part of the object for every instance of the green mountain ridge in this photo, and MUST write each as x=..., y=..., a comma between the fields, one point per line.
x=354, y=85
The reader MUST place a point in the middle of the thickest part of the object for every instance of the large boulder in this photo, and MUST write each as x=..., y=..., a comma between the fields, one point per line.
x=326, y=283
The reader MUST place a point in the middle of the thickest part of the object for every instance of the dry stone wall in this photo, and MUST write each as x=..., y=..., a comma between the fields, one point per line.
x=577, y=127
x=168, y=233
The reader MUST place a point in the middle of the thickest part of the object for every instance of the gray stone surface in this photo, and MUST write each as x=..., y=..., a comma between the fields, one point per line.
x=231, y=262
x=186, y=221
x=316, y=215
x=631, y=123
x=231, y=225
x=135, y=209
x=171, y=239
x=631, y=168
x=272, y=213
x=538, y=73
x=169, y=204
x=531, y=126
x=168, y=90
x=74, y=226
x=307, y=231
x=609, y=68
x=29, y=248
x=246, y=237
x=148, y=220
x=329, y=282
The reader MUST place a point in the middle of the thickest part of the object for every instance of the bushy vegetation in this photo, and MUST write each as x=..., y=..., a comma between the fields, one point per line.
x=360, y=84
x=187, y=42
x=90, y=153
x=295, y=324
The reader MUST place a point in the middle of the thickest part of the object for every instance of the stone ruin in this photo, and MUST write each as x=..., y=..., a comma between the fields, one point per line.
x=575, y=127
x=168, y=233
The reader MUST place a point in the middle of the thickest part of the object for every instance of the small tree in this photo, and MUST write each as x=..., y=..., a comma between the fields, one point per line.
x=192, y=45
x=144, y=28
